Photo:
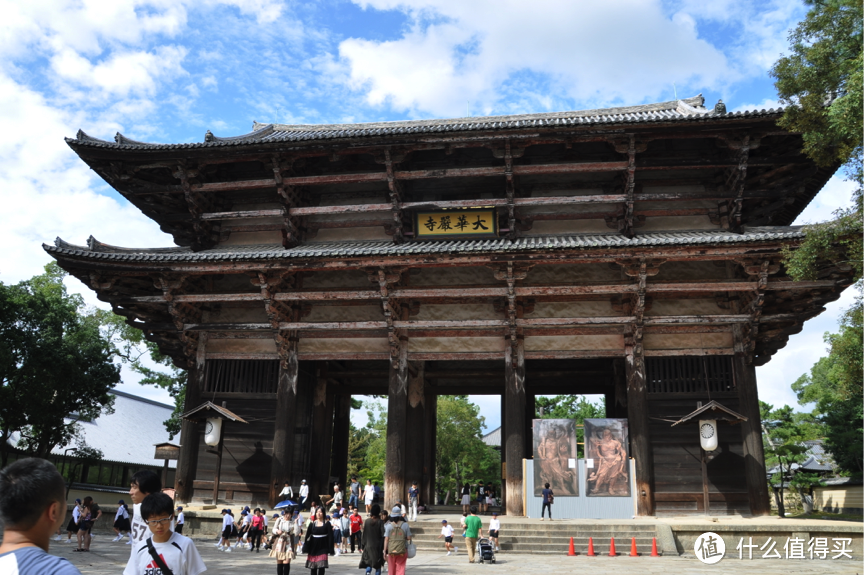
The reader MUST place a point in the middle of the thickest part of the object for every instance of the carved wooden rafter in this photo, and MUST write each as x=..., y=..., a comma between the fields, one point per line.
x=281, y=311
x=512, y=273
x=758, y=270
x=736, y=177
x=634, y=351
x=206, y=231
x=396, y=197
x=508, y=153
x=182, y=313
x=392, y=309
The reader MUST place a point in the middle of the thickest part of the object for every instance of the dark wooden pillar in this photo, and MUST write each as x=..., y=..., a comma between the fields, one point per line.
x=322, y=435
x=514, y=445
x=187, y=461
x=415, y=452
x=640, y=432
x=430, y=447
x=397, y=417
x=751, y=435
x=502, y=448
x=341, y=437
x=530, y=414
x=283, y=433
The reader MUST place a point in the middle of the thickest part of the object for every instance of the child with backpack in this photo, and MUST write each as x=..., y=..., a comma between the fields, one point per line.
x=397, y=535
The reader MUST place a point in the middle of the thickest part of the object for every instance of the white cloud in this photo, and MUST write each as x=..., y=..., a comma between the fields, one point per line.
x=596, y=53
x=836, y=194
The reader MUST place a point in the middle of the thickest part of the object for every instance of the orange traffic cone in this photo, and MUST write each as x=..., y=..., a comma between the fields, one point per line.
x=633, y=552
x=591, y=547
x=612, y=549
x=654, y=547
x=572, y=551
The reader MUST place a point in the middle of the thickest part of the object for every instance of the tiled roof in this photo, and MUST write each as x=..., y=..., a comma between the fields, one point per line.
x=387, y=248
x=675, y=110
x=493, y=438
x=130, y=434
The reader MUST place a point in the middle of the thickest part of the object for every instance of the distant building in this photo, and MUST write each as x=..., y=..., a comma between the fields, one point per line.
x=127, y=440
x=493, y=438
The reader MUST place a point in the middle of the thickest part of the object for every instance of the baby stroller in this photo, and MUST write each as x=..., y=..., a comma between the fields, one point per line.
x=485, y=551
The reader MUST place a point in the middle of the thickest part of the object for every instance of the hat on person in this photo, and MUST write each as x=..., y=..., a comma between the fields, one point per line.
x=121, y=502
x=443, y=521
x=276, y=515
x=494, y=514
x=396, y=512
x=77, y=501
x=224, y=511
x=244, y=512
x=179, y=508
x=303, y=481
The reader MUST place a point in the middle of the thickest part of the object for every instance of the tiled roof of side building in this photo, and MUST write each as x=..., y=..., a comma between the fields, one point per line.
x=384, y=248
x=675, y=110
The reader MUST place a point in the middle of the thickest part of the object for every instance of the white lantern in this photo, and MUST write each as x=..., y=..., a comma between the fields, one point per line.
x=212, y=431
x=708, y=434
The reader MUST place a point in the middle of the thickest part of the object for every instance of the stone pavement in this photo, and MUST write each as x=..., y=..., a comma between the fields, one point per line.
x=108, y=558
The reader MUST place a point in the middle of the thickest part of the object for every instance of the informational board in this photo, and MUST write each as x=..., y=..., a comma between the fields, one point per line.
x=479, y=223
x=606, y=442
x=555, y=457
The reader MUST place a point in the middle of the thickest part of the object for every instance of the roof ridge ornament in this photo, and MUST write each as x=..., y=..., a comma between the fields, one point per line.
x=719, y=108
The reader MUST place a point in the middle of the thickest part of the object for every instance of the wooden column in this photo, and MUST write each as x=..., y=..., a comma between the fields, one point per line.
x=341, y=437
x=415, y=452
x=640, y=432
x=751, y=435
x=322, y=435
x=397, y=417
x=530, y=414
x=283, y=433
x=430, y=446
x=514, y=444
x=502, y=478
x=187, y=462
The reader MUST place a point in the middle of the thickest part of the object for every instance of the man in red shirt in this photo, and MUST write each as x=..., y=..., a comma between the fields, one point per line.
x=356, y=526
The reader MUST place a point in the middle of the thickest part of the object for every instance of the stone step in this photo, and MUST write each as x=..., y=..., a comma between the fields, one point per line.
x=548, y=548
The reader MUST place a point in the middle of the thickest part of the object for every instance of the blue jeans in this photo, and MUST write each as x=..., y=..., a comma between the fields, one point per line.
x=369, y=570
x=352, y=501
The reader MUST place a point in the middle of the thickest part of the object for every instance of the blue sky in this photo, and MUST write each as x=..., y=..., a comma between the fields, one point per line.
x=169, y=70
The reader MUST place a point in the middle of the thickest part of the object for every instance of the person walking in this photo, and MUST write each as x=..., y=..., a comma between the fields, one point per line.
x=466, y=497
x=447, y=534
x=397, y=535
x=304, y=495
x=282, y=547
x=318, y=544
x=91, y=514
x=336, y=525
x=337, y=499
x=345, y=528
x=354, y=499
x=180, y=521
x=548, y=499
x=72, y=526
x=256, y=530
x=490, y=496
x=413, y=501
x=227, y=531
x=368, y=495
x=121, y=521
x=473, y=532
x=372, y=542
x=494, y=530
x=287, y=492
x=356, y=529
x=481, y=497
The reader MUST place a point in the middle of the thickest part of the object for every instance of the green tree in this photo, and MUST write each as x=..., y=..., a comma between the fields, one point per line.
x=784, y=433
x=820, y=83
x=841, y=413
x=461, y=455
x=576, y=407
x=57, y=367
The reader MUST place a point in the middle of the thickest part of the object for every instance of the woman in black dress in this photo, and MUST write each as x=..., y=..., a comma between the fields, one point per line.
x=373, y=542
x=318, y=543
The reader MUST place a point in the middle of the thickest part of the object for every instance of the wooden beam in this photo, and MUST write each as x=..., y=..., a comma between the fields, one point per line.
x=397, y=425
x=513, y=443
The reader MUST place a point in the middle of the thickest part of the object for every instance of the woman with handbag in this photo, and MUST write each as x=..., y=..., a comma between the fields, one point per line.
x=397, y=539
x=372, y=542
x=282, y=544
x=318, y=545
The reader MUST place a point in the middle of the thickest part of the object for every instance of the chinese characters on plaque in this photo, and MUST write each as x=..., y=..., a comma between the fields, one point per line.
x=455, y=223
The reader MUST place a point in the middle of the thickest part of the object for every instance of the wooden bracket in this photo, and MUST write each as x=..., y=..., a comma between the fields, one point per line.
x=396, y=199
x=206, y=231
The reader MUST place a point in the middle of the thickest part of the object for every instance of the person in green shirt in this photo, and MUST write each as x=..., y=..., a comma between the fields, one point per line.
x=473, y=531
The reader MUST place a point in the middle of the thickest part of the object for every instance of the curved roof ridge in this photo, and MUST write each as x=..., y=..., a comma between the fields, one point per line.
x=258, y=131
x=121, y=139
x=94, y=245
x=694, y=103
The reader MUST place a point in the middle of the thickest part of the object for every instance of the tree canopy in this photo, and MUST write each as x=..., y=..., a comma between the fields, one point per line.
x=576, y=407
x=820, y=83
x=56, y=366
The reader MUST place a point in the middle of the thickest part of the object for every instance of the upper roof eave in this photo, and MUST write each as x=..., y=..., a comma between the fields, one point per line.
x=677, y=111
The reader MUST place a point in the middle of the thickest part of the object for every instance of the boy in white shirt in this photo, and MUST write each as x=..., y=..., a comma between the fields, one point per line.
x=494, y=528
x=163, y=548
x=142, y=484
x=447, y=534
x=179, y=522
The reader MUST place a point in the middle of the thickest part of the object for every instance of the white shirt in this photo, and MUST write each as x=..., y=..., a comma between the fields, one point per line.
x=304, y=491
x=287, y=491
x=139, y=532
x=447, y=531
x=178, y=553
x=494, y=525
x=266, y=521
x=180, y=519
x=76, y=513
x=227, y=521
x=121, y=512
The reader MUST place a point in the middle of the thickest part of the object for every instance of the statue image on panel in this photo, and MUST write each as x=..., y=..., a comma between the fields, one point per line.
x=555, y=457
x=607, y=466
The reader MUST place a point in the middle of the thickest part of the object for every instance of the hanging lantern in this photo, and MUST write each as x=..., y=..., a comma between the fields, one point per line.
x=212, y=431
x=708, y=434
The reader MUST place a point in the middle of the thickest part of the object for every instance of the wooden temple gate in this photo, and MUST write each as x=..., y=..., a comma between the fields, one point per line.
x=631, y=252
